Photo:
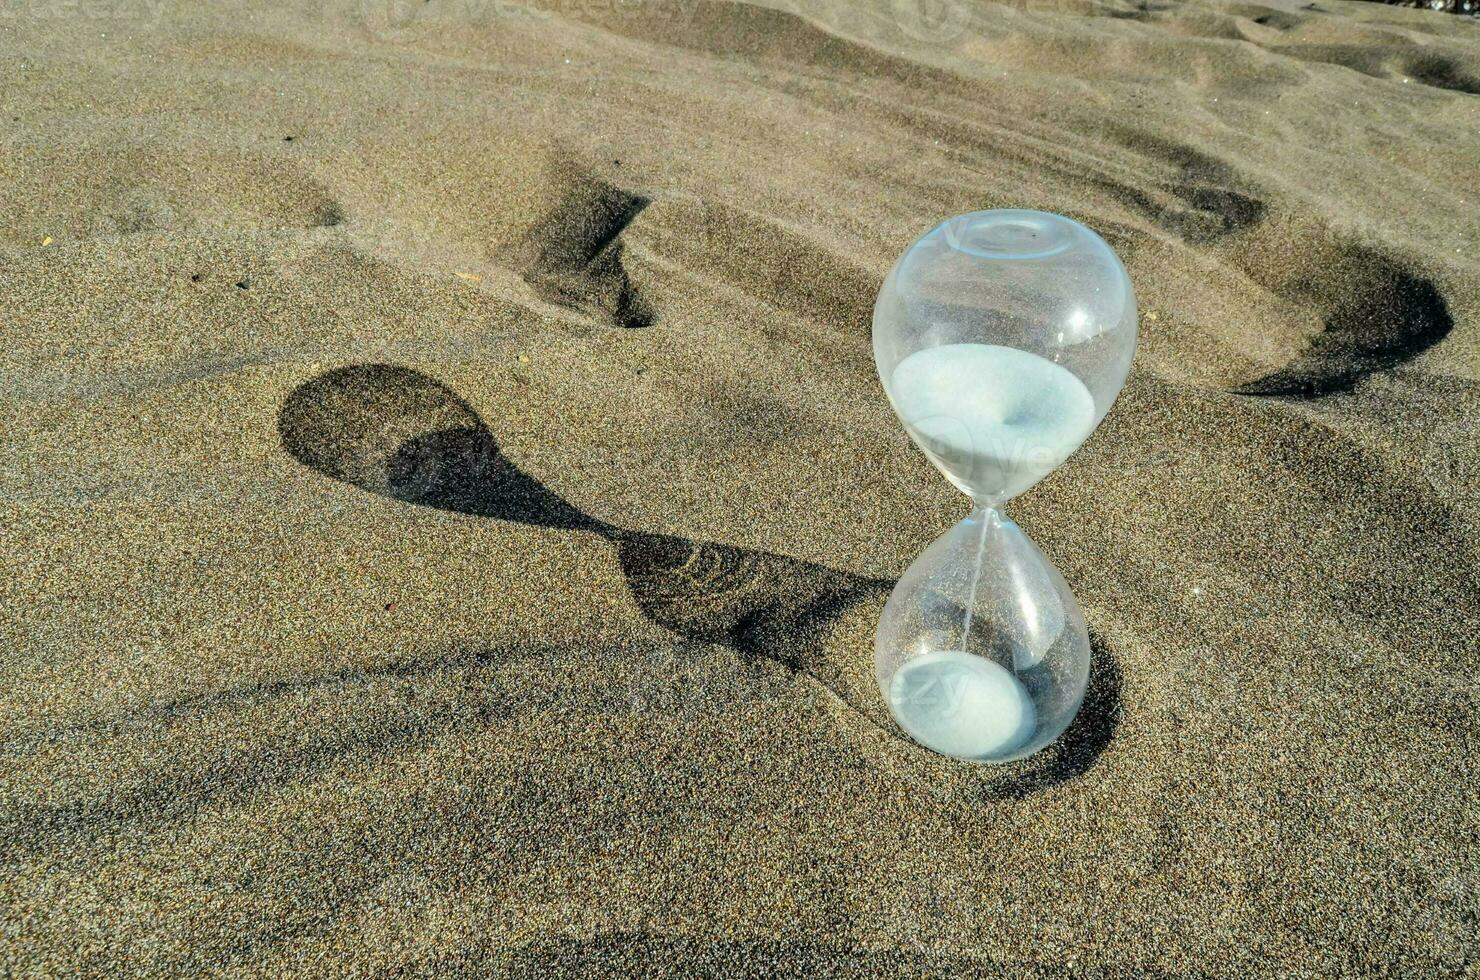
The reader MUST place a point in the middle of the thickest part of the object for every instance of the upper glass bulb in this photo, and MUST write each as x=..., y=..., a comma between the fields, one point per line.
x=1002, y=338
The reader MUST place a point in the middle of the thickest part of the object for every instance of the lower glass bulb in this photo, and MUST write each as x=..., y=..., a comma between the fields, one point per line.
x=982, y=653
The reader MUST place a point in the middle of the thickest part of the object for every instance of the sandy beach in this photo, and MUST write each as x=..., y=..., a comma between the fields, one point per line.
x=448, y=498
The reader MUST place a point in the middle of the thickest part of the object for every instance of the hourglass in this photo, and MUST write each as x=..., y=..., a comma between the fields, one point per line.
x=1002, y=338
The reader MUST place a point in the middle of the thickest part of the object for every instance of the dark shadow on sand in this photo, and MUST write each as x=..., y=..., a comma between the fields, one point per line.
x=573, y=257
x=1075, y=751
x=1395, y=316
x=399, y=433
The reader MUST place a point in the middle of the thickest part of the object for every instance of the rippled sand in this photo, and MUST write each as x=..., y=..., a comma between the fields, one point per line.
x=448, y=497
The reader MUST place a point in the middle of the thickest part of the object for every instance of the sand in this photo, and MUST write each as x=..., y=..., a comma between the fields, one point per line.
x=963, y=705
x=996, y=419
x=448, y=497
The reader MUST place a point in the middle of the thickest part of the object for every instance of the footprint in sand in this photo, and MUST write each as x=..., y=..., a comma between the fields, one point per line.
x=56, y=188
x=1203, y=202
x=1388, y=316
x=573, y=257
x=1377, y=312
x=401, y=434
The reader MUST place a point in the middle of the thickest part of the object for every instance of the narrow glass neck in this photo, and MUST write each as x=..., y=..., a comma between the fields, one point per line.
x=988, y=513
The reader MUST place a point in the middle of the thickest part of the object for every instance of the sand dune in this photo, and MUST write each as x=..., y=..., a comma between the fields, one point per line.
x=449, y=497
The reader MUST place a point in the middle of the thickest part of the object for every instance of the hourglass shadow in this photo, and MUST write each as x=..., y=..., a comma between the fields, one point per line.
x=401, y=434
x=1078, y=749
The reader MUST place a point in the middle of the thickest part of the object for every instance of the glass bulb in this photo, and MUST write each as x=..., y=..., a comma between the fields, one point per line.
x=982, y=652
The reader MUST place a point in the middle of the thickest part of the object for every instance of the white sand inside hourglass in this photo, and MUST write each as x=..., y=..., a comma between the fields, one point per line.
x=996, y=419
x=962, y=705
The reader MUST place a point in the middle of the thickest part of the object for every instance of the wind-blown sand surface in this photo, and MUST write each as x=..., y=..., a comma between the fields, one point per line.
x=448, y=498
